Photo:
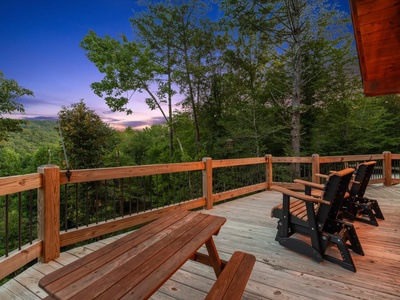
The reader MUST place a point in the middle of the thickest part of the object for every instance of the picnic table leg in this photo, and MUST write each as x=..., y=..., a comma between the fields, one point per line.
x=214, y=257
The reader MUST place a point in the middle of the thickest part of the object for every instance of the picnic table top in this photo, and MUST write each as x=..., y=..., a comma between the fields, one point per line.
x=136, y=265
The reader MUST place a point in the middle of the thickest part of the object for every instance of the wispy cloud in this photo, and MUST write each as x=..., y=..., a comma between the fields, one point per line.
x=138, y=124
x=41, y=118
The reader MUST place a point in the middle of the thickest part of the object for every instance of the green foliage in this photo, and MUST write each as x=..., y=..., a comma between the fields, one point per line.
x=10, y=162
x=300, y=40
x=148, y=146
x=35, y=145
x=45, y=154
x=33, y=134
x=236, y=90
x=9, y=92
x=85, y=136
x=355, y=126
x=127, y=67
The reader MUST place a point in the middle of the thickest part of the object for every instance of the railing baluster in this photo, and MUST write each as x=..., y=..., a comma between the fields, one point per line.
x=130, y=195
x=114, y=200
x=6, y=226
x=122, y=198
x=144, y=192
x=97, y=187
x=157, y=192
x=30, y=216
x=19, y=220
x=66, y=206
x=105, y=200
x=87, y=205
x=76, y=206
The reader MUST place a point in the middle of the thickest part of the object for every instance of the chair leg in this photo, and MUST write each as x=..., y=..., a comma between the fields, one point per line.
x=370, y=209
x=367, y=217
x=344, y=236
x=375, y=207
x=352, y=237
x=287, y=229
x=301, y=247
x=346, y=261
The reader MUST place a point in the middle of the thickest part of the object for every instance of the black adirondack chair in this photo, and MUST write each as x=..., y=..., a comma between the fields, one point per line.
x=355, y=205
x=358, y=207
x=302, y=216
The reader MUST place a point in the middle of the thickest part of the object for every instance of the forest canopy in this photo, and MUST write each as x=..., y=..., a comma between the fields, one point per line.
x=252, y=78
x=278, y=77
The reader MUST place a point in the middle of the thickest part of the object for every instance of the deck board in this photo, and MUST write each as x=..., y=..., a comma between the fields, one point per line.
x=278, y=272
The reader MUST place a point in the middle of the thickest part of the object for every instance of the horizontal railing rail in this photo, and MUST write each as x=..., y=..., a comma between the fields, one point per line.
x=80, y=205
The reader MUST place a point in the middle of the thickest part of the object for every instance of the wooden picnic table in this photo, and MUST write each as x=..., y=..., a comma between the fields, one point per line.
x=136, y=265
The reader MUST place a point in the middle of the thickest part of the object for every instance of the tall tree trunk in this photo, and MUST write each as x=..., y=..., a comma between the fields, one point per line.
x=185, y=52
x=297, y=80
x=171, y=132
x=192, y=98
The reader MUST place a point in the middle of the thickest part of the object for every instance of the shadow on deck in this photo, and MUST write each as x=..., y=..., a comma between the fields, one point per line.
x=278, y=273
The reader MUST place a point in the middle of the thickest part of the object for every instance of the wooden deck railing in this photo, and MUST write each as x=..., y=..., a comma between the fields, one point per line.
x=218, y=179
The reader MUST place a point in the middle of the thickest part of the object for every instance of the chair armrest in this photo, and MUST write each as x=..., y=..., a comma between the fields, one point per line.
x=310, y=184
x=297, y=195
x=322, y=175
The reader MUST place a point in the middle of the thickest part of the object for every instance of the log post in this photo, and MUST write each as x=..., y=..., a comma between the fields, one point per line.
x=387, y=168
x=268, y=170
x=49, y=212
x=207, y=182
x=315, y=168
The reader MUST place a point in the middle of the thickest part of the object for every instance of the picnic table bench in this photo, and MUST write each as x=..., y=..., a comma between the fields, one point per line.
x=138, y=264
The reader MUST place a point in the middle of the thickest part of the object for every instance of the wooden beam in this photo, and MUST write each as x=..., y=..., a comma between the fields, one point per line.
x=49, y=212
x=208, y=182
x=20, y=183
x=19, y=258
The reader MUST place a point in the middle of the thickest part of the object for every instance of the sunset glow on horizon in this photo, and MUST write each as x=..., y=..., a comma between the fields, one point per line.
x=40, y=50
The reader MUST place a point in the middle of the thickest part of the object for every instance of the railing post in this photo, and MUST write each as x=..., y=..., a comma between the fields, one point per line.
x=268, y=170
x=207, y=182
x=387, y=168
x=49, y=212
x=315, y=168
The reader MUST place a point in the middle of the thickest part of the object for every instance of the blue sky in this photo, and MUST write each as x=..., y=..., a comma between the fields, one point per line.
x=40, y=49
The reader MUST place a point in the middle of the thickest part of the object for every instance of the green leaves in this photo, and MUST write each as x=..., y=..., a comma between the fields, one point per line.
x=85, y=136
x=128, y=67
x=9, y=91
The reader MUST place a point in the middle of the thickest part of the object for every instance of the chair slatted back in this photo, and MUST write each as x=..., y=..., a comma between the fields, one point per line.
x=336, y=186
x=368, y=170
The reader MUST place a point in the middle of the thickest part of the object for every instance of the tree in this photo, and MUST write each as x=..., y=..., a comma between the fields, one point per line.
x=85, y=136
x=10, y=162
x=182, y=37
x=193, y=42
x=174, y=46
x=356, y=125
x=44, y=154
x=153, y=28
x=9, y=91
x=129, y=67
x=296, y=29
x=391, y=138
x=242, y=88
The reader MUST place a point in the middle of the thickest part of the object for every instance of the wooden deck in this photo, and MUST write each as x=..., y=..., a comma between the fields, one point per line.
x=278, y=272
